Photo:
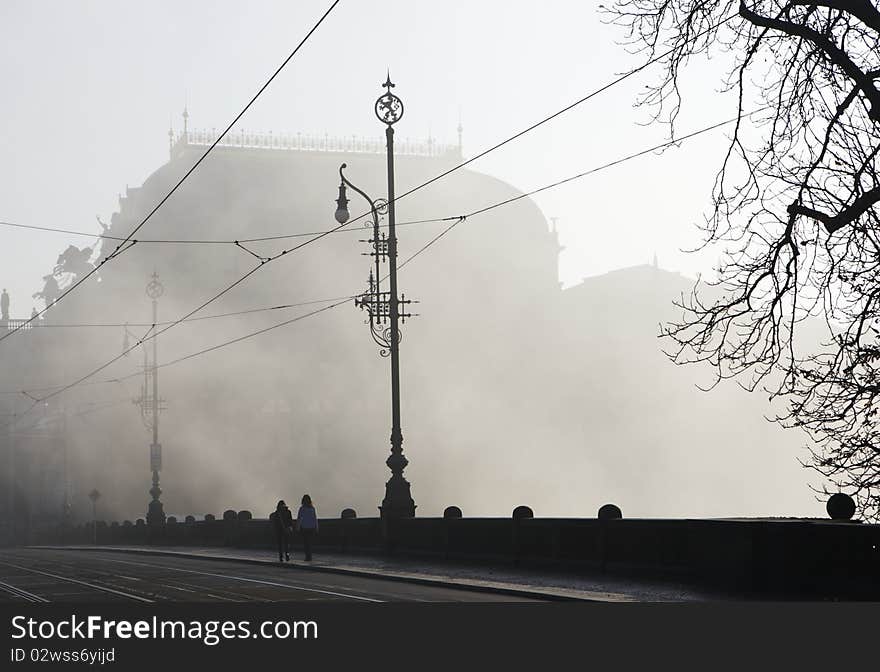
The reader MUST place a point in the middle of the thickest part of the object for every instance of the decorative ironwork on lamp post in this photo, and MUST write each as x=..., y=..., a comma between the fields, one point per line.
x=151, y=405
x=384, y=308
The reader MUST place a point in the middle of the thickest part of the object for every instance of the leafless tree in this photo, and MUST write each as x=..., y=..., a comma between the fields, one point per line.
x=794, y=216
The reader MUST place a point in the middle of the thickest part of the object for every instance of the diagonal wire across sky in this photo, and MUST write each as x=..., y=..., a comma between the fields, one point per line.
x=127, y=242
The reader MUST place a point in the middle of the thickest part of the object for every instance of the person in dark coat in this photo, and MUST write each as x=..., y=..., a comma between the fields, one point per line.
x=282, y=523
x=307, y=524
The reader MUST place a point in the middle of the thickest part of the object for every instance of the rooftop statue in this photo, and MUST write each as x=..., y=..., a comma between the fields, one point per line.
x=74, y=261
x=50, y=292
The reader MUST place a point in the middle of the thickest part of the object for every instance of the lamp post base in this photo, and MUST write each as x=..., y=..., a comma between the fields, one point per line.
x=155, y=513
x=155, y=510
x=398, y=502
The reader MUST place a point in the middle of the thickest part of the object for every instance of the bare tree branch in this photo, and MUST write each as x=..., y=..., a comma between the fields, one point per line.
x=794, y=309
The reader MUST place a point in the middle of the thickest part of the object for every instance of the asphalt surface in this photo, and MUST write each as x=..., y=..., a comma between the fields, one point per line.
x=41, y=575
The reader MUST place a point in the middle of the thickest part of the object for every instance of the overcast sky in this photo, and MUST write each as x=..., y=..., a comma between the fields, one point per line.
x=90, y=88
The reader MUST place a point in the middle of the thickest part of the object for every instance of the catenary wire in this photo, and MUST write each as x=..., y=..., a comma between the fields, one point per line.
x=264, y=260
x=340, y=300
x=461, y=218
x=510, y=139
x=455, y=219
x=204, y=241
x=249, y=311
x=129, y=240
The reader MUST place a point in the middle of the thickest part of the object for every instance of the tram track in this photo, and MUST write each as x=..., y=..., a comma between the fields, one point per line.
x=60, y=570
x=233, y=577
x=86, y=575
x=21, y=592
x=70, y=579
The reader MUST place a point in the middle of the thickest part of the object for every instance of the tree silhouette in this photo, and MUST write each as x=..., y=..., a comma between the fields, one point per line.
x=794, y=212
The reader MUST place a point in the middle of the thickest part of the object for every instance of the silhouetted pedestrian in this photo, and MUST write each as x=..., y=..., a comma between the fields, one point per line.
x=307, y=524
x=282, y=523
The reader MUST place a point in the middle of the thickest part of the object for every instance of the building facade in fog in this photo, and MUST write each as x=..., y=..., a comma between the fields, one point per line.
x=513, y=390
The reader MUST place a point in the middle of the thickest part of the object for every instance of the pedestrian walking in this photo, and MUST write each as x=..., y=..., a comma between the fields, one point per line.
x=307, y=524
x=282, y=523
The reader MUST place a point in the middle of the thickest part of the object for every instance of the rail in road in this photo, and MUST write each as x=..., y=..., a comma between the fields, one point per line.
x=49, y=575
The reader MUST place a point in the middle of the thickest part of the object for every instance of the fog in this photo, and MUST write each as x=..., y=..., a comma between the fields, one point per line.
x=522, y=383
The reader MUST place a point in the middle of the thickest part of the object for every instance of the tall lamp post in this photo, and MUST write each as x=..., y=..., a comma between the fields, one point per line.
x=94, y=495
x=12, y=481
x=150, y=403
x=384, y=307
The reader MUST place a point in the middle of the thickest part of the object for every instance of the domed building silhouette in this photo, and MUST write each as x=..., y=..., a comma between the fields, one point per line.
x=510, y=384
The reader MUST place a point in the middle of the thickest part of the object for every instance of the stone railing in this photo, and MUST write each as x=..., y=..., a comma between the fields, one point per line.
x=823, y=559
x=316, y=143
x=18, y=324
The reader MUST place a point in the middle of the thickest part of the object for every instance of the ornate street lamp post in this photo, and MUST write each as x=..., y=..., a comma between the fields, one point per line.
x=384, y=308
x=95, y=495
x=155, y=511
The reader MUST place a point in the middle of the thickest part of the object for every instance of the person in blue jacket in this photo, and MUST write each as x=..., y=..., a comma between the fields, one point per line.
x=307, y=524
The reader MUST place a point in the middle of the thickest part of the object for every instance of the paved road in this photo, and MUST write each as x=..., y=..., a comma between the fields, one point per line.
x=31, y=575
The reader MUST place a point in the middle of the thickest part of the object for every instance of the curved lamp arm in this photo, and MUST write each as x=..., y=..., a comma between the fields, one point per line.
x=342, y=214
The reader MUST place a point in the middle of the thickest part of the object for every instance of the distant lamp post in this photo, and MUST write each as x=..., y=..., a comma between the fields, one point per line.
x=151, y=405
x=94, y=495
x=384, y=307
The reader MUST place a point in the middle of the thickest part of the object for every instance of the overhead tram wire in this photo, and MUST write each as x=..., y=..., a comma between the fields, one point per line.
x=235, y=313
x=19, y=416
x=252, y=334
x=456, y=221
x=611, y=164
x=152, y=332
x=203, y=241
x=336, y=301
x=454, y=218
x=285, y=323
x=568, y=108
x=556, y=114
x=82, y=412
x=63, y=388
x=129, y=240
x=266, y=260
x=656, y=148
x=60, y=389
